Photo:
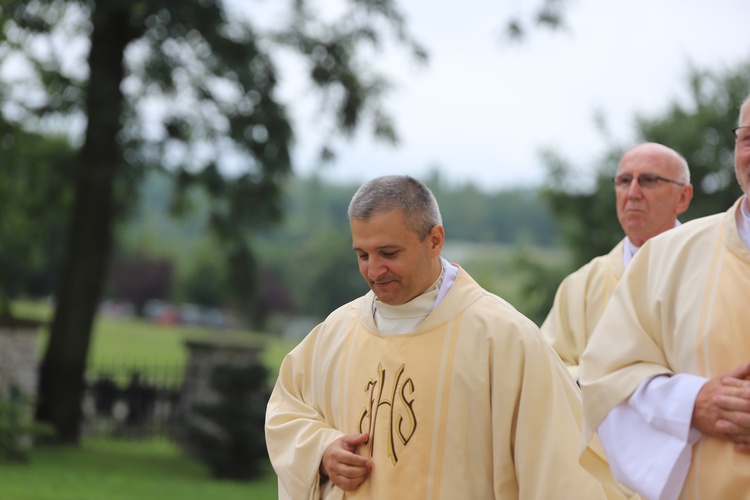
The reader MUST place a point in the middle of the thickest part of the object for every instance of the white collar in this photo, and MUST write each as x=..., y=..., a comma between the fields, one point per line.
x=406, y=318
x=743, y=221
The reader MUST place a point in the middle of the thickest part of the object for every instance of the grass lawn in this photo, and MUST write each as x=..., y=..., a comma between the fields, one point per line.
x=107, y=469
x=122, y=470
x=134, y=340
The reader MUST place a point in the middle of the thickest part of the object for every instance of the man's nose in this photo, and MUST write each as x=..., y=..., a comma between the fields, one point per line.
x=375, y=268
x=634, y=189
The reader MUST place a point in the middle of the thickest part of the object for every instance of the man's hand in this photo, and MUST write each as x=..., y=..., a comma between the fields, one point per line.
x=342, y=465
x=722, y=408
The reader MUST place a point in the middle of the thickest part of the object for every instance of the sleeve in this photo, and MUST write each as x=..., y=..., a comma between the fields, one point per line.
x=635, y=321
x=565, y=325
x=548, y=416
x=648, y=437
x=297, y=432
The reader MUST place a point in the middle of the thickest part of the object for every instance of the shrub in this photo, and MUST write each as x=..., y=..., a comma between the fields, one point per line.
x=229, y=435
x=18, y=429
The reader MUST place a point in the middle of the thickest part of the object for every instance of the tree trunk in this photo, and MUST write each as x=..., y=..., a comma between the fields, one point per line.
x=88, y=243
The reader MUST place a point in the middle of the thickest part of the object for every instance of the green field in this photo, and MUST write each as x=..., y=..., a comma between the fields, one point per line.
x=136, y=341
x=122, y=470
x=146, y=470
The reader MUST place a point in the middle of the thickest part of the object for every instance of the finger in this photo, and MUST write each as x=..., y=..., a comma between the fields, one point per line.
x=354, y=460
x=742, y=447
x=352, y=471
x=739, y=438
x=732, y=403
x=354, y=440
x=349, y=478
x=736, y=383
x=347, y=484
x=732, y=428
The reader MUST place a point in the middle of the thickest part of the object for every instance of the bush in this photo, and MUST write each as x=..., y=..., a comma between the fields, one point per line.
x=18, y=429
x=229, y=435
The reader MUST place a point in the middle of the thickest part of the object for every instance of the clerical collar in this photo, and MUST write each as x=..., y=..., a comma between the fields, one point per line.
x=743, y=221
x=406, y=318
x=628, y=252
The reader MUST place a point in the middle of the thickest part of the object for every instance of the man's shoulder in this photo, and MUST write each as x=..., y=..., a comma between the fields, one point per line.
x=494, y=311
x=345, y=311
x=693, y=230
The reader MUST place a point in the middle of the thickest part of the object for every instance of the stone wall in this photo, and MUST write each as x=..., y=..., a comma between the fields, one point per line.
x=19, y=359
x=204, y=356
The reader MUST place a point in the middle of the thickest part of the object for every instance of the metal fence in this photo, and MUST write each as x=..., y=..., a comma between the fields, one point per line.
x=130, y=400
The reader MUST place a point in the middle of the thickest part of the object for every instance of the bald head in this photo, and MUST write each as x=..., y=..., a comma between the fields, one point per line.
x=742, y=148
x=646, y=209
x=659, y=153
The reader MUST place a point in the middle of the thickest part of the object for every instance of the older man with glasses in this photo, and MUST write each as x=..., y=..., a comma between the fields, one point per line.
x=652, y=187
x=665, y=376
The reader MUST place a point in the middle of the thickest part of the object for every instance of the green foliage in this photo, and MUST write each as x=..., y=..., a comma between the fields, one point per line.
x=587, y=219
x=548, y=14
x=538, y=283
x=229, y=436
x=508, y=216
x=700, y=129
x=320, y=270
x=18, y=429
x=306, y=264
x=517, y=273
x=35, y=192
x=204, y=280
x=187, y=86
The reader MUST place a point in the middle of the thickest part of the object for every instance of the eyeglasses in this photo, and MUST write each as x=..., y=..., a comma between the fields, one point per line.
x=742, y=134
x=644, y=180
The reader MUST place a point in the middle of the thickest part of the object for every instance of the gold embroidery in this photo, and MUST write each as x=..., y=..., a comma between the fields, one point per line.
x=371, y=414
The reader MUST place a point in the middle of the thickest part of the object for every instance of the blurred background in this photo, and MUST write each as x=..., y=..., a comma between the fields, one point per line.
x=174, y=178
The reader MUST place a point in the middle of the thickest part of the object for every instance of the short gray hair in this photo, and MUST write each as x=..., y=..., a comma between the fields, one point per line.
x=402, y=192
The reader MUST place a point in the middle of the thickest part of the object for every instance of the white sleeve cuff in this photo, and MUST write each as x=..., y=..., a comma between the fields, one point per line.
x=648, y=438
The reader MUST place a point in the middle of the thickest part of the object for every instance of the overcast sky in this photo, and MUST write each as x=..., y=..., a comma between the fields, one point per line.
x=481, y=110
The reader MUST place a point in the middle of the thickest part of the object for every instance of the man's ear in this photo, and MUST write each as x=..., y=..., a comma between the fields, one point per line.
x=685, y=196
x=436, y=238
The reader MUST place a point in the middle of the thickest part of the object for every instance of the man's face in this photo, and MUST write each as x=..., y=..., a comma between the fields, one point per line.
x=392, y=260
x=644, y=212
x=742, y=151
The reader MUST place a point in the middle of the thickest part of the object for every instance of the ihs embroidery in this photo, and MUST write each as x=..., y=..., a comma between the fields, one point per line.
x=398, y=407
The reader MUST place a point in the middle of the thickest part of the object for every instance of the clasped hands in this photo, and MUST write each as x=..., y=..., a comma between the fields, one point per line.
x=722, y=408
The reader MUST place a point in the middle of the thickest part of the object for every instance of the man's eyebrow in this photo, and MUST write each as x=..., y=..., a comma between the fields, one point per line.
x=382, y=247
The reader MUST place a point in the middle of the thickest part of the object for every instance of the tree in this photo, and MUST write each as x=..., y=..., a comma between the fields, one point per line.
x=184, y=86
x=700, y=129
x=33, y=189
x=136, y=278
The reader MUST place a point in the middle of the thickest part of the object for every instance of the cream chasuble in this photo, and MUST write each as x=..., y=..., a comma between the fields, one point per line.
x=579, y=303
x=679, y=309
x=472, y=405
